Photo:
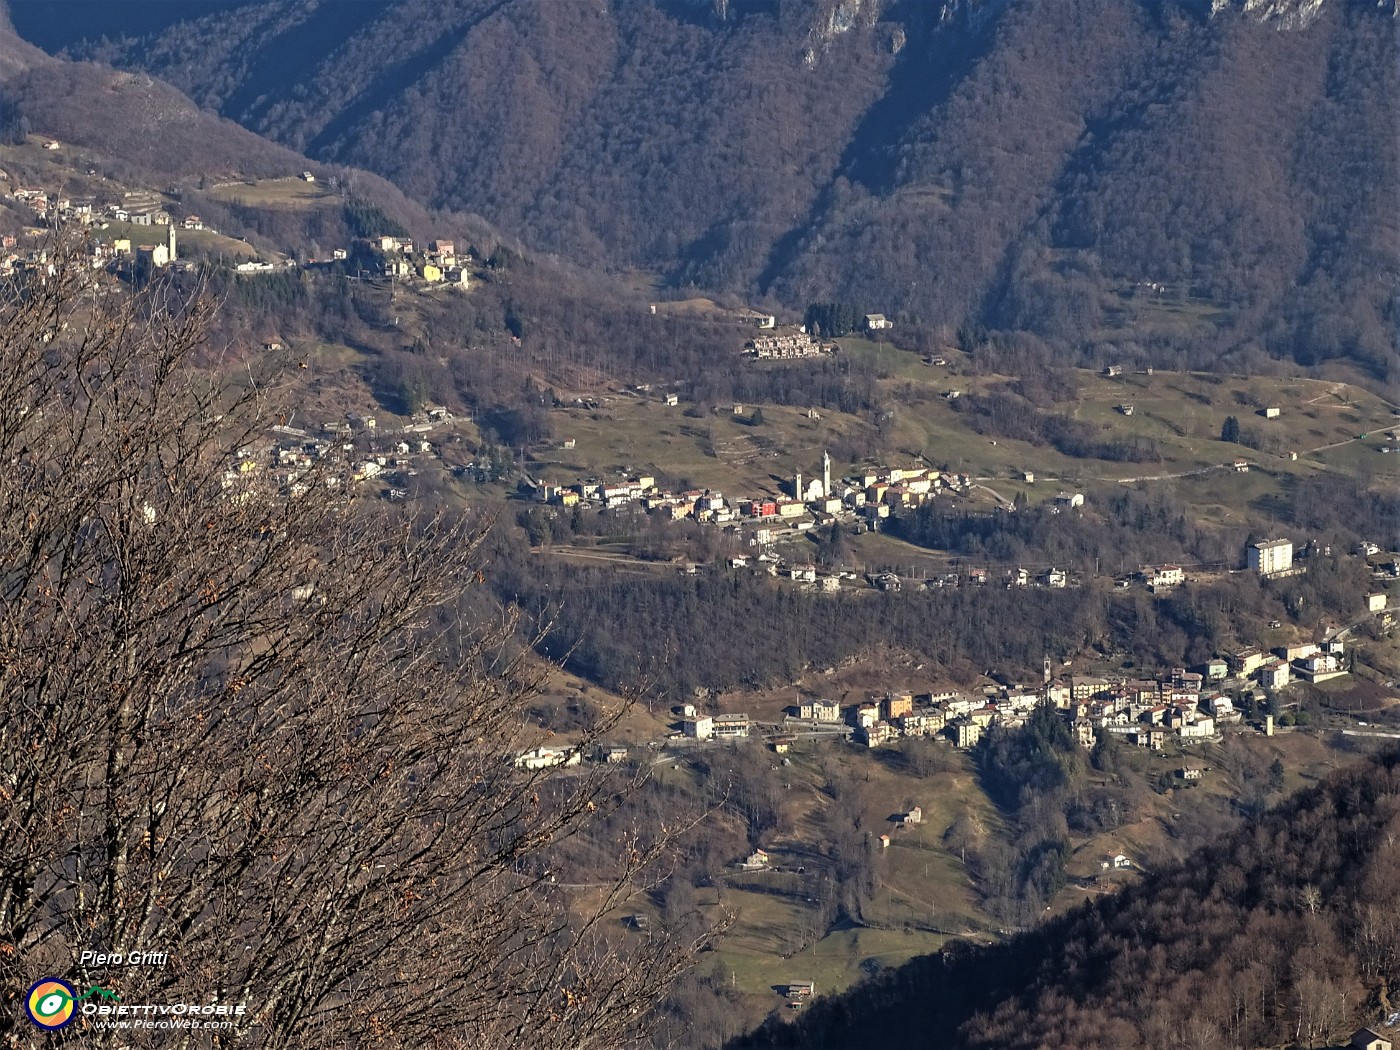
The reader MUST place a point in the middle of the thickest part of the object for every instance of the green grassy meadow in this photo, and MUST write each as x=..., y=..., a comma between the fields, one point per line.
x=1182, y=413
x=292, y=192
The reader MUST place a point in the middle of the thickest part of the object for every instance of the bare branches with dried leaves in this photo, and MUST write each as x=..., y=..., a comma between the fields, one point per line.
x=238, y=726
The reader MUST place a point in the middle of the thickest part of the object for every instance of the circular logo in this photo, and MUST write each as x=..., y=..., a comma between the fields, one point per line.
x=51, y=1003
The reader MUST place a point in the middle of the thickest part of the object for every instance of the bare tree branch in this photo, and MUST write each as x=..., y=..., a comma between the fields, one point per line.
x=240, y=724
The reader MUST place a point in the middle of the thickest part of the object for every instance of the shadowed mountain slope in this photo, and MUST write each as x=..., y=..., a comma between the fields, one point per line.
x=1286, y=933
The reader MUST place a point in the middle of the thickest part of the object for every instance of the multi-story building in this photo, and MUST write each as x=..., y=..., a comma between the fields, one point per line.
x=819, y=710
x=701, y=728
x=876, y=734
x=736, y=725
x=897, y=704
x=1270, y=557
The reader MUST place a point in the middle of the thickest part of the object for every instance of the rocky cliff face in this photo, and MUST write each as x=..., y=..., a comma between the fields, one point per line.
x=1287, y=14
x=841, y=16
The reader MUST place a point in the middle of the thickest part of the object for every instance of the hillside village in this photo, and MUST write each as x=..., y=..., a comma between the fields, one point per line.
x=114, y=241
x=340, y=453
x=869, y=496
x=1243, y=690
x=358, y=450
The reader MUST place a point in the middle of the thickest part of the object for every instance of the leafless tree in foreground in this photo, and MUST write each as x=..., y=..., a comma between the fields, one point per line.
x=236, y=726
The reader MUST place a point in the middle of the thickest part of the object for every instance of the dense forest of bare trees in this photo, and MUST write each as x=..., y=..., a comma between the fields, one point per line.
x=727, y=631
x=247, y=729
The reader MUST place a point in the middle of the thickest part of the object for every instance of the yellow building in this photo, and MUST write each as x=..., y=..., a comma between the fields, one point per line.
x=898, y=704
x=431, y=273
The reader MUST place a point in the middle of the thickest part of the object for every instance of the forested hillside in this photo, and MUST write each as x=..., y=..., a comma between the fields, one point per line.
x=132, y=128
x=1285, y=933
x=1176, y=181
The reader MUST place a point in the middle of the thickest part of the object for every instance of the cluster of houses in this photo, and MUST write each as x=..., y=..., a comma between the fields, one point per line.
x=696, y=726
x=883, y=720
x=1052, y=577
x=439, y=263
x=874, y=493
x=1162, y=577
x=102, y=253
x=108, y=252
x=1178, y=704
x=345, y=452
x=809, y=576
x=794, y=341
x=1305, y=661
x=1165, y=577
x=138, y=209
x=862, y=499
x=787, y=344
x=549, y=757
x=817, y=501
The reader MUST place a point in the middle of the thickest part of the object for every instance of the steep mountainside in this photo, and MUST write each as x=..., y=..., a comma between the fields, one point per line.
x=125, y=133
x=1184, y=180
x=1286, y=933
x=621, y=133
x=140, y=131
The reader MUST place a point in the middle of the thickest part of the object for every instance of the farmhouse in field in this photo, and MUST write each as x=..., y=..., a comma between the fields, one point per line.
x=802, y=990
